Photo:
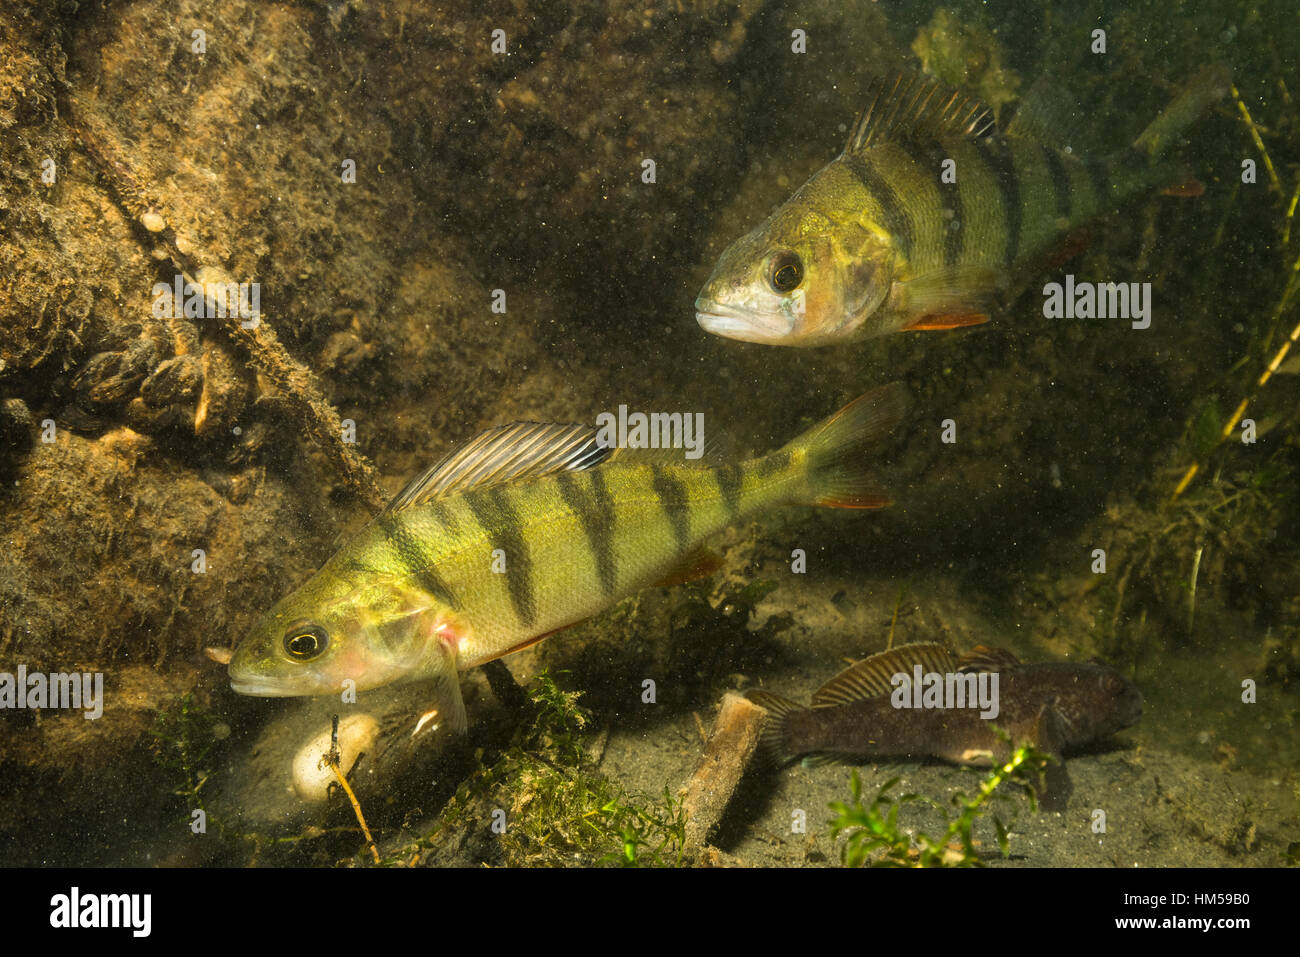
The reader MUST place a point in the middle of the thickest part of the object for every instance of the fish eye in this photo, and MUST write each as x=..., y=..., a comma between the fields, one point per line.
x=305, y=641
x=787, y=272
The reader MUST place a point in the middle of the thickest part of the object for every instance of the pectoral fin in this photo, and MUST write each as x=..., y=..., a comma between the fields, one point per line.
x=949, y=298
x=448, y=709
x=1049, y=738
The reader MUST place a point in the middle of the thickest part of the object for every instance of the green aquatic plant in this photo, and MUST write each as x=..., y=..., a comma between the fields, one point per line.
x=1206, y=544
x=874, y=835
x=182, y=738
x=545, y=804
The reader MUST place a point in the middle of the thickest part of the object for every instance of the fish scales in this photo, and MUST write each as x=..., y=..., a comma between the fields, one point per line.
x=927, y=220
x=496, y=547
x=650, y=515
x=991, y=216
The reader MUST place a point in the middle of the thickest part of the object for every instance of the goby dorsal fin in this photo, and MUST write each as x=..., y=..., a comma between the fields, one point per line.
x=984, y=658
x=506, y=453
x=873, y=677
x=912, y=103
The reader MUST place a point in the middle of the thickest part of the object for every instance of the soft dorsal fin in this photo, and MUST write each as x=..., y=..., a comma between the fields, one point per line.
x=910, y=102
x=503, y=454
x=984, y=658
x=1047, y=114
x=873, y=677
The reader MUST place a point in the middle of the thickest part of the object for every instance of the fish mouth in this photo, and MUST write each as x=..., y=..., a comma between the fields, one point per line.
x=266, y=686
x=260, y=688
x=731, y=323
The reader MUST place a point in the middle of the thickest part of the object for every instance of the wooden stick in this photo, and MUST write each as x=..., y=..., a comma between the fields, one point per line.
x=722, y=764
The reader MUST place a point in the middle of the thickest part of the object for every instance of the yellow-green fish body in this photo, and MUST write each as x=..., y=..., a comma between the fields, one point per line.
x=524, y=531
x=924, y=221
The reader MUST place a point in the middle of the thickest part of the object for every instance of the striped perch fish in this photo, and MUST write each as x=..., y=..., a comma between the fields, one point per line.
x=929, y=218
x=525, y=530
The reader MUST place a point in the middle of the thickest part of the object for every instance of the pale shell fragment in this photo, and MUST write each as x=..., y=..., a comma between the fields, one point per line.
x=311, y=775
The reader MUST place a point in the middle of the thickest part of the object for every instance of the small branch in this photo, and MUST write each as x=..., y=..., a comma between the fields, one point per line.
x=331, y=758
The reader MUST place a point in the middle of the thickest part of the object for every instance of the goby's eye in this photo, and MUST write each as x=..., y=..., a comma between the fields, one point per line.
x=305, y=641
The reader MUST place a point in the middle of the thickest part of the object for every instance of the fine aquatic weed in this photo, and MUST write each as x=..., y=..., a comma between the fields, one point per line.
x=544, y=802
x=874, y=836
x=182, y=739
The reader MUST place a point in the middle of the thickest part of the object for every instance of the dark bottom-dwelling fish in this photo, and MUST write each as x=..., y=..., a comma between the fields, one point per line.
x=865, y=711
x=527, y=529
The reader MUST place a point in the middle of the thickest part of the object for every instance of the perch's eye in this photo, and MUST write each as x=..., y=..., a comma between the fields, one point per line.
x=787, y=272
x=305, y=641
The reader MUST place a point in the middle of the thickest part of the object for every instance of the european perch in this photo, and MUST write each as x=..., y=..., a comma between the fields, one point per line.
x=525, y=530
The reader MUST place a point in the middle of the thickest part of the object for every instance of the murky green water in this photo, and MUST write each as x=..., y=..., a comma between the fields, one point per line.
x=435, y=219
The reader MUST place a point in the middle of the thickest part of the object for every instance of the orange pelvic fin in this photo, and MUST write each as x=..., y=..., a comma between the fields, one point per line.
x=954, y=320
x=531, y=641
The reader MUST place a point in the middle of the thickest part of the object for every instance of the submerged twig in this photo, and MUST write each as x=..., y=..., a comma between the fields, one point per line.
x=293, y=379
x=1264, y=376
x=1191, y=602
x=1259, y=140
x=332, y=758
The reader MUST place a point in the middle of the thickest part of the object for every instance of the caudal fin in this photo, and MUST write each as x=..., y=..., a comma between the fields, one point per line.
x=838, y=449
x=1206, y=87
x=774, y=747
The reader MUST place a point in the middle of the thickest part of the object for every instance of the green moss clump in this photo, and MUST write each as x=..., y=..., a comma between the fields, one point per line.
x=546, y=805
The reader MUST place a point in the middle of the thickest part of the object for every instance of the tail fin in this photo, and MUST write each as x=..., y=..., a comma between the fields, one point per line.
x=1206, y=87
x=774, y=747
x=836, y=450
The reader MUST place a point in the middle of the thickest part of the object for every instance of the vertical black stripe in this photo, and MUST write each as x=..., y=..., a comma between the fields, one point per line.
x=930, y=156
x=492, y=509
x=445, y=517
x=896, y=223
x=672, y=497
x=596, y=515
x=729, y=480
x=416, y=560
x=1060, y=178
x=998, y=156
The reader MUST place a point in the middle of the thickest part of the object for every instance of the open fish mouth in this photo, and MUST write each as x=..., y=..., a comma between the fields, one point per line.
x=732, y=323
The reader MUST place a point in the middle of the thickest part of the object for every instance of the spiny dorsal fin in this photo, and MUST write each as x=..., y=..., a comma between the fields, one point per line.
x=503, y=454
x=873, y=677
x=911, y=102
x=984, y=658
